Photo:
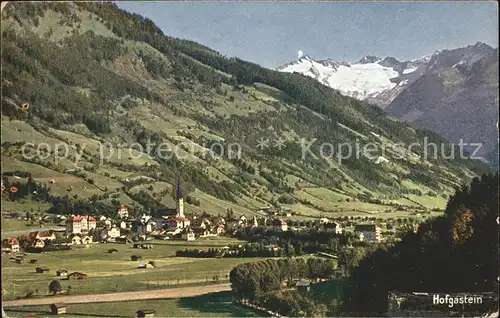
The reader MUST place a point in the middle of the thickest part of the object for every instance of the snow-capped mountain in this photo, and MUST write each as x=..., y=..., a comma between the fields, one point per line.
x=379, y=81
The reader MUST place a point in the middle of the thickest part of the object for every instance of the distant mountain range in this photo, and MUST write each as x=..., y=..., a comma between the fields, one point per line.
x=452, y=92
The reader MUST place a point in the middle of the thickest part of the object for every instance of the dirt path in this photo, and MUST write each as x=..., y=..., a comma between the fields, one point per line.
x=14, y=233
x=139, y=295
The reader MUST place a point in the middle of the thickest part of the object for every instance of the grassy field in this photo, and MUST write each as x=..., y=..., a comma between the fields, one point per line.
x=116, y=272
x=23, y=206
x=331, y=289
x=210, y=305
x=9, y=225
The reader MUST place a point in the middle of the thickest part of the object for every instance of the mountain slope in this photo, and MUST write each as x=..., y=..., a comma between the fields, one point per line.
x=94, y=74
x=460, y=102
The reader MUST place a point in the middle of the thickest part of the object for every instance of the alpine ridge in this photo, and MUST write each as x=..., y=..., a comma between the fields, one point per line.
x=380, y=80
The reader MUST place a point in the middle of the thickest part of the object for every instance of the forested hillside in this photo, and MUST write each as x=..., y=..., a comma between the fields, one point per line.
x=455, y=253
x=86, y=74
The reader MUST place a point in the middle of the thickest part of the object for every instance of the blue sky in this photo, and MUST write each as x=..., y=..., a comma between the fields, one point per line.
x=271, y=33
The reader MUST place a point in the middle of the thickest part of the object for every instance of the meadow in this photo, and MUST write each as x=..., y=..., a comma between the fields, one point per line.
x=210, y=305
x=115, y=272
x=218, y=304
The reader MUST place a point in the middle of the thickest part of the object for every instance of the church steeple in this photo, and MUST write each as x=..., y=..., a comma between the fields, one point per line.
x=180, y=201
x=178, y=192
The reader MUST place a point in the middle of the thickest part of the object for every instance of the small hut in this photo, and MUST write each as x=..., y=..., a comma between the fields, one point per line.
x=303, y=285
x=143, y=313
x=135, y=258
x=58, y=309
x=76, y=276
x=41, y=270
x=62, y=273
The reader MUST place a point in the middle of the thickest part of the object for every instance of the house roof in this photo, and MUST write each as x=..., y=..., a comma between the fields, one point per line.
x=80, y=218
x=331, y=225
x=146, y=311
x=77, y=273
x=365, y=227
x=45, y=233
x=177, y=219
x=279, y=222
x=58, y=305
x=303, y=283
x=13, y=241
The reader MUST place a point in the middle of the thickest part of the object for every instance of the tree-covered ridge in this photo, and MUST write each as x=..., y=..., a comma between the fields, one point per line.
x=457, y=252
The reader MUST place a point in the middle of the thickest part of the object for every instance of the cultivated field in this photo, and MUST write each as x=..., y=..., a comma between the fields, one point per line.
x=115, y=272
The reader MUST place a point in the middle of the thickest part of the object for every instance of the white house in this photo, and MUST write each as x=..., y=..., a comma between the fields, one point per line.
x=76, y=240
x=200, y=223
x=42, y=235
x=13, y=244
x=113, y=232
x=279, y=225
x=322, y=221
x=334, y=227
x=178, y=222
x=188, y=234
x=219, y=229
x=108, y=223
x=123, y=211
x=87, y=239
x=39, y=244
x=370, y=232
x=81, y=224
x=233, y=224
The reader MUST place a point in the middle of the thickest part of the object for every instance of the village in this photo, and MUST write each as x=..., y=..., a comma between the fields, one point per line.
x=85, y=229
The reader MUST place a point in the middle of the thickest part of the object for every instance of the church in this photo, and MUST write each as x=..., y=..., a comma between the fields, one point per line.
x=179, y=221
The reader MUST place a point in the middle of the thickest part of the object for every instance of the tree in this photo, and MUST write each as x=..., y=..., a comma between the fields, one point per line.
x=55, y=287
x=461, y=227
x=350, y=258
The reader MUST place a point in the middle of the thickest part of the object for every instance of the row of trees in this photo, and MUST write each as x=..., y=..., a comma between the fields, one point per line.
x=299, y=243
x=260, y=282
x=247, y=250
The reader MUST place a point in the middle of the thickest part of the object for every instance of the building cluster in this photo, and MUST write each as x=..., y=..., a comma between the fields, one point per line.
x=84, y=229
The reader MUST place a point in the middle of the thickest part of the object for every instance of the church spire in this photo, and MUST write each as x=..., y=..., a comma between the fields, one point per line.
x=178, y=192
x=180, y=200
